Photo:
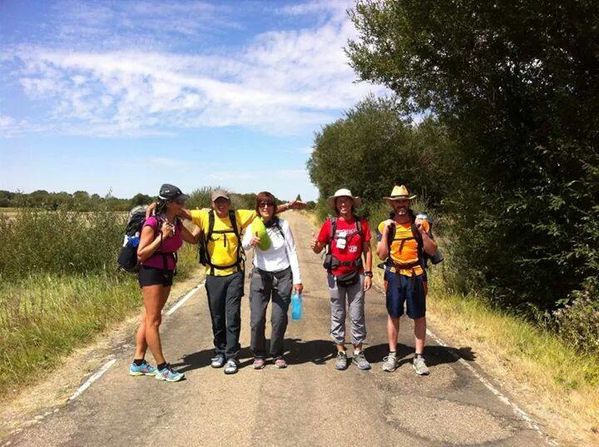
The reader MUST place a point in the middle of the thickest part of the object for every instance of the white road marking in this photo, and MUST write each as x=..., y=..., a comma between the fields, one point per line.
x=515, y=408
x=184, y=299
x=92, y=379
x=110, y=363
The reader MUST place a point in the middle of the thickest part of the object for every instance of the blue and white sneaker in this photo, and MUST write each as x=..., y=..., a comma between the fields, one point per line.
x=145, y=369
x=169, y=374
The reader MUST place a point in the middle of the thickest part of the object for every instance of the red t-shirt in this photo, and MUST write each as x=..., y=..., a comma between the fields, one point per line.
x=354, y=242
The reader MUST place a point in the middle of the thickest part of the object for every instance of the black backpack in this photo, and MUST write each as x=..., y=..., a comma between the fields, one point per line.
x=203, y=254
x=127, y=259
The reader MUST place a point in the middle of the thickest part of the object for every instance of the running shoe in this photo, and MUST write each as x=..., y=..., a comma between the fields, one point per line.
x=341, y=362
x=360, y=360
x=232, y=366
x=218, y=361
x=390, y=363
x=168, y=374
x=145, y=369
x=420, y=366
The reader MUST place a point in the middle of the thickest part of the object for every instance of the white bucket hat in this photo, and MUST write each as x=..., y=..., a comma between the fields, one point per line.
x=344, y=192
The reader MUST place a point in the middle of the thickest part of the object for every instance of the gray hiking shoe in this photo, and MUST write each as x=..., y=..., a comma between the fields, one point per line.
x=360, y=360
x=231, y=366
x=218, y=361
x=420, y=366
x=341, y=362
x=390, y=363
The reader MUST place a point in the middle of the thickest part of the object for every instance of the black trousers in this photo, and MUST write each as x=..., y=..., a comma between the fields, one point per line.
x=224, y=300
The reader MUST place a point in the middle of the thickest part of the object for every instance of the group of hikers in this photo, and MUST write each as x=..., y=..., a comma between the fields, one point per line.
x=224, y=234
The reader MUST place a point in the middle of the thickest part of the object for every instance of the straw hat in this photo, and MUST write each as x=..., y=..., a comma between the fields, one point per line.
x=343, y=192
x=400, y=193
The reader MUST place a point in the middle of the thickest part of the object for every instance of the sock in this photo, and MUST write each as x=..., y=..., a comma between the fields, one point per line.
x=138, y=362
x=418, y=355
x=392, y=353
x=162, y=366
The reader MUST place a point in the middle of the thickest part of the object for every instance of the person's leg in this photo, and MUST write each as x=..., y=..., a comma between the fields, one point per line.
x=395, y=299
x=216, y=291
x=392, y=331
x=395, y=303
x=140, y=338
x=337, y=299
x=355, y=304
x=281, y=297
x=233, y=314
x=154, y=299
x=355, y=299
x=260, y=290
x=420, y=334
x=417, y=311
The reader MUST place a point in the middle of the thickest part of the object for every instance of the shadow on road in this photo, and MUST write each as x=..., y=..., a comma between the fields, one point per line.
x=435, y=355
x=296, y=352
x=319, y=352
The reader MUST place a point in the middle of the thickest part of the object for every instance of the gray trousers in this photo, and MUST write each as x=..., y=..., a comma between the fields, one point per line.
x=353, y=297
x=265, y=286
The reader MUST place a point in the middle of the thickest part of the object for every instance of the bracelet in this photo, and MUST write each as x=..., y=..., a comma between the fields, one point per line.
x=368, y=273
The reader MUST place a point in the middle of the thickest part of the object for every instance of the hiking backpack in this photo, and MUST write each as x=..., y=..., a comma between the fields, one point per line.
x=127, y=259
x=203, y=254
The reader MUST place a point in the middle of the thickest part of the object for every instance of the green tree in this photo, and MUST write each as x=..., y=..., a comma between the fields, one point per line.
x=373, y=147
x=515, y=83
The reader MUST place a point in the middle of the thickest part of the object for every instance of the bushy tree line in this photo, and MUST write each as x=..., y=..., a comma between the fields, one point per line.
x=77, y=201
x=512, y=88
x=515, y=84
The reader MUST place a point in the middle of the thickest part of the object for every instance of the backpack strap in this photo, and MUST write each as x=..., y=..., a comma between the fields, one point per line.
x=240, y=254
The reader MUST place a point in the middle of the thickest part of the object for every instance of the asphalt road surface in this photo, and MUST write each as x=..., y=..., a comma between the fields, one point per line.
x=308, y=404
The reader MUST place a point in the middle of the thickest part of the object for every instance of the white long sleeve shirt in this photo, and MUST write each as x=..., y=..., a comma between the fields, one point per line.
x=280, y=255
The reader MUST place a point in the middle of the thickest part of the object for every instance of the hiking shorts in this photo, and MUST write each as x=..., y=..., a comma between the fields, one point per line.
x=150, y=276
x=408, y=291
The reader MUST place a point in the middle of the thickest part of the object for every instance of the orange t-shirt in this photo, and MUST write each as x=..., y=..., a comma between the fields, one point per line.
x=404, y=248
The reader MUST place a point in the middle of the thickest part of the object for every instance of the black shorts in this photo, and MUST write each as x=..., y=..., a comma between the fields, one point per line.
x=150, y=276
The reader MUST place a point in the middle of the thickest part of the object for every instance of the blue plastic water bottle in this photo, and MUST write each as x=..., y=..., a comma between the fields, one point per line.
x=296, y=306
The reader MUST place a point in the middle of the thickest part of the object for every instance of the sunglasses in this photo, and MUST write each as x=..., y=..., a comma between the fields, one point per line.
x=263, y=204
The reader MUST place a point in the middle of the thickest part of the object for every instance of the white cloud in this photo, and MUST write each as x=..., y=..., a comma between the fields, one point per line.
x=282, y=82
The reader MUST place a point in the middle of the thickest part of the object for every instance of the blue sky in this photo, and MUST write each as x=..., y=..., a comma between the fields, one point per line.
x=122, y=96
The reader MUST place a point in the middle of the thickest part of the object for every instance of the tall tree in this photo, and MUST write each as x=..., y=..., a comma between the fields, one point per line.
x=516, y=84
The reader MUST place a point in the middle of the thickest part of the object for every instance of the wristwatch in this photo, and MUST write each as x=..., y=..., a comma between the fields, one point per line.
x=369, y=274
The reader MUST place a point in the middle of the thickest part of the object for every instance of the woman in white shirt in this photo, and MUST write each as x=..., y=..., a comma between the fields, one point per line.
x=275, y=274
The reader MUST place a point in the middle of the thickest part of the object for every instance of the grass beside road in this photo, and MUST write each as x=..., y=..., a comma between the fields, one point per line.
x=554, y=383
x=45, y=316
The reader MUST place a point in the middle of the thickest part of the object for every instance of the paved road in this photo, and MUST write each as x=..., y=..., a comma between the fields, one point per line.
x=309, y=403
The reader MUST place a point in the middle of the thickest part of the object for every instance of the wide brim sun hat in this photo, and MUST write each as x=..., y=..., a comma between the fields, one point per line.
x=400, y=193
x=344, y=192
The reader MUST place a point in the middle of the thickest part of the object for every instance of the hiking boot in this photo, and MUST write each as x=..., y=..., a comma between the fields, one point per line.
x=341, y=362
x=145, y=369
x=231, y=367
x=280, y=363
x=168, y=374
x=218, y=361
x=420, y=366
x=360, y=360
x=390, y=363
x=258, y=363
